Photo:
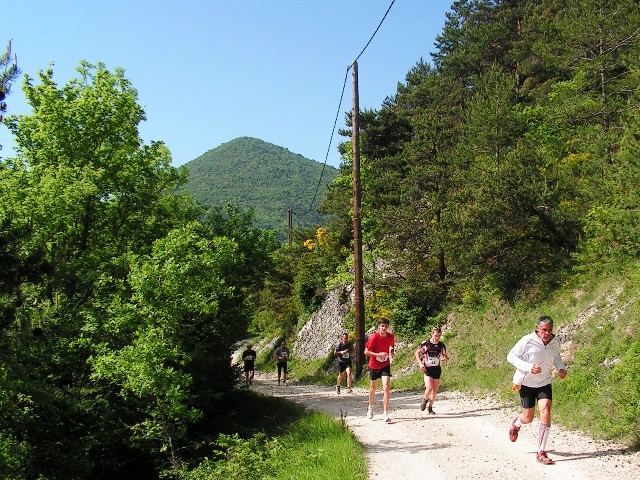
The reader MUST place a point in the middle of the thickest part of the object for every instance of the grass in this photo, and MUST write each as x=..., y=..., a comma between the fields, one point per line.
x=268, y=437
x=320, y=447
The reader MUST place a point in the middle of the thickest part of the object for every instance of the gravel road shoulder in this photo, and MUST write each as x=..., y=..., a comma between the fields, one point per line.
x=466, y=438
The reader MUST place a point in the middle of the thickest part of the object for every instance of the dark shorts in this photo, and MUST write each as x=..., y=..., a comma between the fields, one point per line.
x=343, y=366
x=433, y=372
x=249, y=367
x=529, y=395
x=377, y=373
x=282, y=367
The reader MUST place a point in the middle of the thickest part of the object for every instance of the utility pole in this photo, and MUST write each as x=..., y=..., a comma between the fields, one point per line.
x=358, y=283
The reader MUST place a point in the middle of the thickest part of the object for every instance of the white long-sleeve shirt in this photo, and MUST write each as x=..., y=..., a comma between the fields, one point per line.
x=530, y=350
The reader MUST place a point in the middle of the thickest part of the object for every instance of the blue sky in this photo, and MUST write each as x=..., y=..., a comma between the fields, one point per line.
x=209, y=71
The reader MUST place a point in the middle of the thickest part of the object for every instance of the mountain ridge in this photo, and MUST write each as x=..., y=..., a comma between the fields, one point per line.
x=260, y=176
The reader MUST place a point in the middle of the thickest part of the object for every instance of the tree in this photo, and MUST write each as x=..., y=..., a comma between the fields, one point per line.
x=8, y=73
x=611, y=225
x=594, y=44
x=172, y=342
x=82, y=194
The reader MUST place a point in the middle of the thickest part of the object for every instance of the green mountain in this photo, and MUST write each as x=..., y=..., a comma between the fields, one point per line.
x=259, y=176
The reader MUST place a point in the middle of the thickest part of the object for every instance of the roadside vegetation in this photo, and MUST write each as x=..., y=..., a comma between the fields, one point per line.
x=275, y=438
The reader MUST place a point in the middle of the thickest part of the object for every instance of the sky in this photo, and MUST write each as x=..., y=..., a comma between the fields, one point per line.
x=210, y=71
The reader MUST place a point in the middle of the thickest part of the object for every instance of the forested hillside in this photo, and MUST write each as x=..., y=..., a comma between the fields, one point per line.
x=509, y=161
x=259, y=176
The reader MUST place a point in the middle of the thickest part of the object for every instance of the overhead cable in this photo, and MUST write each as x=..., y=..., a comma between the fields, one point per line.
x=346, y=75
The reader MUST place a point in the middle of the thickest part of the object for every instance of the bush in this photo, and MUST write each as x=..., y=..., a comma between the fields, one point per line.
x=626, y=395
x=236, y=459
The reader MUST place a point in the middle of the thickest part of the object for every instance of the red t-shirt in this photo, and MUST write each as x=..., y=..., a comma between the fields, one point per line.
x=378, y=343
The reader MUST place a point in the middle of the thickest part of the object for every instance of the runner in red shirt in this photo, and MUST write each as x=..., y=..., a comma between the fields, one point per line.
x=380, y=349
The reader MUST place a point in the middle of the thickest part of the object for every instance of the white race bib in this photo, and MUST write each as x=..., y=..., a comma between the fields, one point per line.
x=382, y=357
x=345, y=355
x=431, y=361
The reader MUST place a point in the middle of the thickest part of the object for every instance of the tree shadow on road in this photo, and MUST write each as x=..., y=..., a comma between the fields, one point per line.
x=571, y=456
x=403, y=446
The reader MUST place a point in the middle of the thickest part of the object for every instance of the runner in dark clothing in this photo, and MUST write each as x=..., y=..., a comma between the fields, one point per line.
x=249, y=359
x=282, y=357
x=429, y=355
x=344, y=352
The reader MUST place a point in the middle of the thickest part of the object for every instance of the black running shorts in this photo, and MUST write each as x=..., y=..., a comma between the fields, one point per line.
x=529, y=395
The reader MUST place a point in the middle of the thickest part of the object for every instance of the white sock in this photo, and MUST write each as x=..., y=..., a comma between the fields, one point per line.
x=543, y=434
x=517, y=422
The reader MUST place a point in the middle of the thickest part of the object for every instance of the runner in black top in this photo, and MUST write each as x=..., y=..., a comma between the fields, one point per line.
x=249, y=359
x=344, y=352
x=429, y=355
x=282, y=357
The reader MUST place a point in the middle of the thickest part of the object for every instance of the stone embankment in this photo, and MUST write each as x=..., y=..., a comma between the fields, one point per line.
x=319, y=335
x=317, y=338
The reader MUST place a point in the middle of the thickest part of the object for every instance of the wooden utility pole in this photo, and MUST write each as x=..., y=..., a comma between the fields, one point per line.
x=358, y=283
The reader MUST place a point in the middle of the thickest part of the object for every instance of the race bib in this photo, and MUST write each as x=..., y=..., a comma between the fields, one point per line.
x=284, y=355
x=382, y=357
x=248, y=358
x=345, y=355
x=431, y=361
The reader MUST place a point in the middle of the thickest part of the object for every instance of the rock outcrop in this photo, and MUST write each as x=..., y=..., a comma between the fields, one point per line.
x=322, y=331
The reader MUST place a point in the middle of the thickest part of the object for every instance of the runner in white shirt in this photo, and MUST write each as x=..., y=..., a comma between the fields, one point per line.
x=537, y=354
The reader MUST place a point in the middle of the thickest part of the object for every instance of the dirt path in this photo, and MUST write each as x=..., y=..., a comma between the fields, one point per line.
x=466, y=439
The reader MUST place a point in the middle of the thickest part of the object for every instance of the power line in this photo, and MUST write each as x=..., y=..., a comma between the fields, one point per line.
x=344, y=83
x=374, y=33
x=335, y=122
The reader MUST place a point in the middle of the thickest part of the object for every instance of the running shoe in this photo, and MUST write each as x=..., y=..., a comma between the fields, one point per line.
x=431, y=412
x=542, y=458
x=423, y=405
x=350, y=391
x=386, y=418
x=369, y=412
x=513, y=431
x=338, y=389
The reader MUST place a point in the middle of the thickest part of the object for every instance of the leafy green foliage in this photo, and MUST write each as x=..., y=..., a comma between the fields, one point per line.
x=239, y=459
x=491, y=182
x=120, y=309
